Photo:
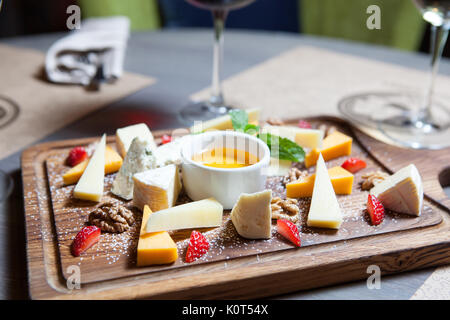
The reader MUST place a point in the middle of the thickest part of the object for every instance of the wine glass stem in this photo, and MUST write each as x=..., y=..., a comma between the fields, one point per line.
x=439, y=35
x=216, y=98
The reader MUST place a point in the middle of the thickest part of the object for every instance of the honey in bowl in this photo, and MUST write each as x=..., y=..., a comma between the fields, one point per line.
x=229, y=158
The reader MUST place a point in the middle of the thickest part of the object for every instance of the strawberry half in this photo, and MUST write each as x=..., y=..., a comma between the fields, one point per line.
x=289, y=230
x=166, y=139
x=375, y=209
x=76, y=155
x=198, y=246
x=354, y=165
x=304, y=124
x=85, y=238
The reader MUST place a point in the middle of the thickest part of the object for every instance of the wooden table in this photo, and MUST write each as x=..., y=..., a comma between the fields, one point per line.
x=162, y=55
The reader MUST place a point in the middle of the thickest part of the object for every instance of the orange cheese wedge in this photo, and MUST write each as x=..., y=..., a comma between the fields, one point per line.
x=113, y=162
x=155, y=247
x=341, y=179
x=334, y=145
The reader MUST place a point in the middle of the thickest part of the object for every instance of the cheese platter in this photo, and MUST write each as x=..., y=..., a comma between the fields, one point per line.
x=169, y=211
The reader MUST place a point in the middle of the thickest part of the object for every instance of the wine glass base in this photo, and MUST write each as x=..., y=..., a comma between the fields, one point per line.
x=390, y=114
x=6, y=186
x=417, y=134
x=202, y=111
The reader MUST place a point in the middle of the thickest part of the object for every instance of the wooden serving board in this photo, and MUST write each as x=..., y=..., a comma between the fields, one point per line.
x=252, y=268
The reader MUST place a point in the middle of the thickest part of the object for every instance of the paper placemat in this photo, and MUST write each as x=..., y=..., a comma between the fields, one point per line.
x=308, y=81
x=436, y=287
x=31, y=107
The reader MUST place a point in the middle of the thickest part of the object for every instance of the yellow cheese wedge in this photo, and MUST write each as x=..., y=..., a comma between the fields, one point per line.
x=90, y=185
x=401, y=192
x=307, y=138
x=156, y=247
x=341, y=179
x=113, y=162
x=252, y=215
x=334, y=145
x=324, y=211
x=205, y=213
x=223, y=122
x=158, y=188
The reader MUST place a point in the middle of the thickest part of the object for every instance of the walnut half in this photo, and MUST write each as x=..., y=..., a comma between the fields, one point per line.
x=111, y=217
x=285, y=209
x=294, y=174
x=372, y=178
x=275, y=122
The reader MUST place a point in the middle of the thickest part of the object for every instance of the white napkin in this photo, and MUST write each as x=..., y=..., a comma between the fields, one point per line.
x=75, y=58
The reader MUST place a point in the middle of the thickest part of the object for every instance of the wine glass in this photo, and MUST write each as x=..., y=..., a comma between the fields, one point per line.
x=215, y=106
x=6, y=183
x=409, y=119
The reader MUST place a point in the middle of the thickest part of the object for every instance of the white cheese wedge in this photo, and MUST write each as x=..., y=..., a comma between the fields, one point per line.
x=324, y=211
x=90, y=185
x=157, y=188
x=307, y=138
x=198, y=214
x=169, y=153
x=223, y=122
x=278, y=167
x=252, y=215
x=124, y=137
x=401, y=192
x=138, y=158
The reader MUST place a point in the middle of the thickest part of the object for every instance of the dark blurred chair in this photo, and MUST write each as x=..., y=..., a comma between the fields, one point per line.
x=272, y=15
x=401, y=24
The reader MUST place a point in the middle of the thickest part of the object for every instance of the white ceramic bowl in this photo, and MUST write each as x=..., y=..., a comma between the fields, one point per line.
x=224, y=184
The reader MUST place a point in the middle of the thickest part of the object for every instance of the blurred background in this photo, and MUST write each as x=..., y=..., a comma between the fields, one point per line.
x=402, y=25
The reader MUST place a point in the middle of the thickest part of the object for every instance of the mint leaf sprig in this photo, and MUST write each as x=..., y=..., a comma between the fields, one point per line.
x=239, y=119
x=281, y=148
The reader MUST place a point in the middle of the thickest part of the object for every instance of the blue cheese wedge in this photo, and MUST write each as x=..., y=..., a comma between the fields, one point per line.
x=401, y=192
x=138, y=158
x=252, y=215
x=324, y=211
x=124, y=137
x=90, y=185
x=158, y=188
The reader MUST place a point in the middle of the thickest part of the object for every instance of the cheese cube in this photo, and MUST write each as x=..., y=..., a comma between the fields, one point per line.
x=154, y=248
x=307, y=138
x=223, y=122
x=124, y=137
x=335, y=145
x=252, y=215
x=324, y=211
x=341, y=179
x=138, y=158
x=113, y=162
x=90, y=185
x=157, y=188
x=198, y=214
x=401, y=192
